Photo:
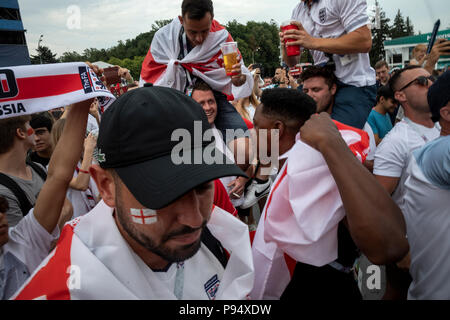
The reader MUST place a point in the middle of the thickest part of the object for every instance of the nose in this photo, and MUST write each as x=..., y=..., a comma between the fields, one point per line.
x=199, y=39
x=188, y=210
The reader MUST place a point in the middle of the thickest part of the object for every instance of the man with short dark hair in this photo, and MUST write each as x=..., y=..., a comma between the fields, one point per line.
x=337, y=34
x=427, y=203
x=16, y=138
x=156, y=233
x=379, y=119
x=410, y=86
x=382, y=73
x=24, y=246
x=188, y=49
x=203, y=95
x=42, y=125
x=320, y=84
x=296, y=245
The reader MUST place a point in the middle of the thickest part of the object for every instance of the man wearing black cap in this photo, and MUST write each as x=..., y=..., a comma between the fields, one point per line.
x=427, y=203
x=156, y=233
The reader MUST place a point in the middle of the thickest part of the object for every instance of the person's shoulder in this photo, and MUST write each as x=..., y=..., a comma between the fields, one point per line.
x=437, y=150
x=398, y=134
x=298, y=9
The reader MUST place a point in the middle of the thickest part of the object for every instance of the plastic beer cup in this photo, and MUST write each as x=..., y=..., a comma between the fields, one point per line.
x=230, y=53
x=290, y=50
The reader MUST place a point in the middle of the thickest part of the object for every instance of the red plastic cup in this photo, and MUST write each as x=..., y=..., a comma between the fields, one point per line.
x=290, y=50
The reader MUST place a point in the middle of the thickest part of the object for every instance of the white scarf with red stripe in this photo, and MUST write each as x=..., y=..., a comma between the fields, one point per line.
x=93, y=261
x=301, y=216
x=36, y=88
x=162, y=67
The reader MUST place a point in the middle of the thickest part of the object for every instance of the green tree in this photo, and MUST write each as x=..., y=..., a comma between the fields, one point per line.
x=379, y=36
x=72, y=57
x=409, y=27
x=44, y=55
x=259, y=42
x=398, y=28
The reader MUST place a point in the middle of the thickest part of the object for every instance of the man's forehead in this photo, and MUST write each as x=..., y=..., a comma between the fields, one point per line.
x=410, y=75
x=203, y=24
x=202, y=95
x=314, y=82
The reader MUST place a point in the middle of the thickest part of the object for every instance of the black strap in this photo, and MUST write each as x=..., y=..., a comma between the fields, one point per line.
x=214, y=246
x=20, y=195
x=37, y=168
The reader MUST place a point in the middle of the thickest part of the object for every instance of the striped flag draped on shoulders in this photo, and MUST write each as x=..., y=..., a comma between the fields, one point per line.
x=301, y=216
x=162, y=66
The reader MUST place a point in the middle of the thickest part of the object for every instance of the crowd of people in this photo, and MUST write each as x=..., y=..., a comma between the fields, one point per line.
x=196, y=184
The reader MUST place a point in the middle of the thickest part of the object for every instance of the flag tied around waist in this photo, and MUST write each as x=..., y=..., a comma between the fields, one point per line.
x=36, y=88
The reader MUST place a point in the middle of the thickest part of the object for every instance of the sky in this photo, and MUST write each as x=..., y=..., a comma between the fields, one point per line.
x=76, y=25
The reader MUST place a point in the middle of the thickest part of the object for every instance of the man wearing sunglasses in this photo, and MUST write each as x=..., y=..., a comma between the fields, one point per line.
x=410, y=86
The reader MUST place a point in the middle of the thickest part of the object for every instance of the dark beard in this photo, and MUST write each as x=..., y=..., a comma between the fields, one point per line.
x=171, y=255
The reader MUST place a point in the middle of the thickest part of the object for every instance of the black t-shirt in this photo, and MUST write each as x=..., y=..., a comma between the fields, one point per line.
x=36, y=158
x=310, y=282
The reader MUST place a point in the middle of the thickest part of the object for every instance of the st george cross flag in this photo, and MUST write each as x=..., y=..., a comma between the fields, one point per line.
x=36, y=88
x=301, y=216
x=163, y=68
x=93, y=261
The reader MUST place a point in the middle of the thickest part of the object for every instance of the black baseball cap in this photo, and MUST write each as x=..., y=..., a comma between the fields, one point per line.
x=439, y=95
x=152, y=138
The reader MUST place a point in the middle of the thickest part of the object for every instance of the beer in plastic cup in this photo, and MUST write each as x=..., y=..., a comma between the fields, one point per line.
x=230, y=53
x=290, y=50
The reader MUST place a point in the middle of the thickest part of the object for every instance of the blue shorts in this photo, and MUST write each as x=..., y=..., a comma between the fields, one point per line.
x=352, y=104
x=228, y=117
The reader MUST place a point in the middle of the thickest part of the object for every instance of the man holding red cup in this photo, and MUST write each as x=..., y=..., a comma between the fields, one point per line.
x=337, y=35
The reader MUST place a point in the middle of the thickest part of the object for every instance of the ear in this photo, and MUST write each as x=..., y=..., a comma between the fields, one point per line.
x=333, y=89
x=105, y=184
x=181, y=19
x=445, y=112
x=399, y=96
x=22, y=135
x=280, y=126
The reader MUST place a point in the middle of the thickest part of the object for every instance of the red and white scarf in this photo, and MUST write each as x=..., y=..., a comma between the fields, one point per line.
x=36, y=88
x=162, y=67
x=301, y=216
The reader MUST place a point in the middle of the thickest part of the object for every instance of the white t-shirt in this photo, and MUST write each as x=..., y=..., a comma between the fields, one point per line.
x=372, y=143
x=427, y=215
x=201, y=285
x=251, y=111
x=29, y=243
x=333, y=19
x=391, y=157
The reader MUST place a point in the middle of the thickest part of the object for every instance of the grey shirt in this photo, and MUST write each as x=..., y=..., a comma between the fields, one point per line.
x=31, y=189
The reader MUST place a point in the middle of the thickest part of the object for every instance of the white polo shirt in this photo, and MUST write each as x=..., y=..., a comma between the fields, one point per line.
x=333, y=19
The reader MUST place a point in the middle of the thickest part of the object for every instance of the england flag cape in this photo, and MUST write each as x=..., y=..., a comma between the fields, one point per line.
x=301, y=216
x=163, y=68
x=36, y=88
x=93, y=261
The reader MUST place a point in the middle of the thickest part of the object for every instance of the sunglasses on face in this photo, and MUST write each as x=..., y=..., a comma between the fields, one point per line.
x=421, y=80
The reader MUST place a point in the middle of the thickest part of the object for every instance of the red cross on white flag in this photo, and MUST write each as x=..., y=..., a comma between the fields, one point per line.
x=143, y=216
